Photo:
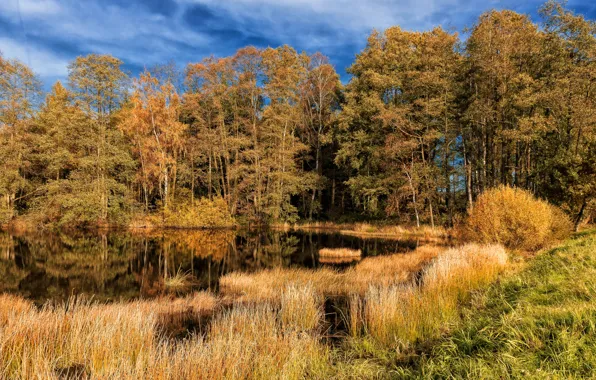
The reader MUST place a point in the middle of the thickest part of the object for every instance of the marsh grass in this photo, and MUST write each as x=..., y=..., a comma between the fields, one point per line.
x=124, y=341
x=268, y=324
x=301, y=308
x=339, y=255
x=379, y=270
x=365, y=230
x=178, y=282
x=425, y=233
x=399, y=315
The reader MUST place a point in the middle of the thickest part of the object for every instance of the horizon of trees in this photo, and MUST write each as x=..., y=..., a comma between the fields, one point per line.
x=426, y=123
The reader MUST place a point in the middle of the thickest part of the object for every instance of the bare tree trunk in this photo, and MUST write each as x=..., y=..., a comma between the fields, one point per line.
x=413, y=196
x=580, y=215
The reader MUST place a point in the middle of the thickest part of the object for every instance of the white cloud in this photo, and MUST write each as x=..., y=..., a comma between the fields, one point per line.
x=44, y=63
x=340, y=14
x=30, y=8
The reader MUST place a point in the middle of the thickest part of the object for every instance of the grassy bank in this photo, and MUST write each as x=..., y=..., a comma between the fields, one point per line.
x=538, y=323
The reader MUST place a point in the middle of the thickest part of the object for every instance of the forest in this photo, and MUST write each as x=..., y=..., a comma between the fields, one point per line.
x=426, y=123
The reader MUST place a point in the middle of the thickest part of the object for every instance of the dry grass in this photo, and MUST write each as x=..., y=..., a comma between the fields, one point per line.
x=365, y=230
x=379, y=271
x=178, y=282
x=266, y=285
x=338, y=260
x=301, y=308
x=515, y=218
x=340, y=252
x=398, y=315
x=390, y=269
x=425, y=233
x=173, y=315
x=272, y=330
x=123, y=341
x=339, y=255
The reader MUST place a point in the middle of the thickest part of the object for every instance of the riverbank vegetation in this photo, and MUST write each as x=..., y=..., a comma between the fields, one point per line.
x=427, y=122
x=266, y=335
x=424, y=313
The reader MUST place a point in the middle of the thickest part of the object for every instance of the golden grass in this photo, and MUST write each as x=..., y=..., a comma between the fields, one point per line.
x=301, y=308
x=339, y=252
x=390, y=269
x=380, y=271
x=266, y=285
x=178, y=282
x=398, y=315
x=172, y=315
x=339, y=255
x=365, y=230
x=337, y=260
x=424, y=232
x=84, y=340
x=272, y=328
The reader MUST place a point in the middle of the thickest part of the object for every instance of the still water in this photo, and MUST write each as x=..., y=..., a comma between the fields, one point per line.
x=119, y=265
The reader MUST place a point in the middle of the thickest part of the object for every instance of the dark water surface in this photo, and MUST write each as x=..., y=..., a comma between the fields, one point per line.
x=117, y=265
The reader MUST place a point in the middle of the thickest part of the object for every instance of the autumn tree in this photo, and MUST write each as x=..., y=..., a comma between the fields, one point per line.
x=99, y=88
x=157, y=135
x=399, y=119
x=565, y=166
x=319, y=99
x=19, y=93
x=284, y=69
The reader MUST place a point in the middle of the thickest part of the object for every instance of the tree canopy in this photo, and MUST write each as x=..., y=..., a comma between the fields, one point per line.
x=427, y=122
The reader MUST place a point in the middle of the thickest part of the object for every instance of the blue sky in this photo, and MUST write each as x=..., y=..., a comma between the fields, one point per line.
x=47, y=34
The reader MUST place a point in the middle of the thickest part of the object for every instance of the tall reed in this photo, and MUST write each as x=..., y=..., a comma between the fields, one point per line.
x=399, y=315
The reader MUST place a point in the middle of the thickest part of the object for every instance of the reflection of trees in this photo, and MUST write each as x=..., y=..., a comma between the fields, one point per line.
x=117, y=264
x=265, y=249
x=10, y=274
x=56, y=265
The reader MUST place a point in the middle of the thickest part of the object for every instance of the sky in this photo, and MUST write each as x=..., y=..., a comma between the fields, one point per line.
x=48, y=34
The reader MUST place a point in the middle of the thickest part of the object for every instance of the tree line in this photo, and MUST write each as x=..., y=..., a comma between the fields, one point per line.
x=427, y=122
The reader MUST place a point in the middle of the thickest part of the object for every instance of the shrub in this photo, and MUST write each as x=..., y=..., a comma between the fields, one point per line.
x=204, y=213
x=516, y=219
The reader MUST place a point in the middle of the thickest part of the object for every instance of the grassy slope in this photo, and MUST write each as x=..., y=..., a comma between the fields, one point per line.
x=539, y=323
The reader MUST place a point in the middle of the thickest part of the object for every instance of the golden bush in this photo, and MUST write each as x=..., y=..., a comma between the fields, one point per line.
x=204, y=213
x=515, y=218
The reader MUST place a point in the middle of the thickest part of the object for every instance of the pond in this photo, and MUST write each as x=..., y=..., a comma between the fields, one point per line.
x=123, y=265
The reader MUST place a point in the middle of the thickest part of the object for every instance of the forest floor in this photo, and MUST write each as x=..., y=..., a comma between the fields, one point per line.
x=537, y=323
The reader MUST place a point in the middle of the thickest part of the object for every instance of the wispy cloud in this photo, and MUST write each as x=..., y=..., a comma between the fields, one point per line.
x=146, y=32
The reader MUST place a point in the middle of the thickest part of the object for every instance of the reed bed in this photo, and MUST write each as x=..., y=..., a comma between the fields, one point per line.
x=371, y=230
x=339, y=255
x=426, y=233
x=265, y=285
x=178, y=282
x=338, y=260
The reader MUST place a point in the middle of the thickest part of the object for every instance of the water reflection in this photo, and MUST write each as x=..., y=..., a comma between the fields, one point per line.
x=119, y=265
